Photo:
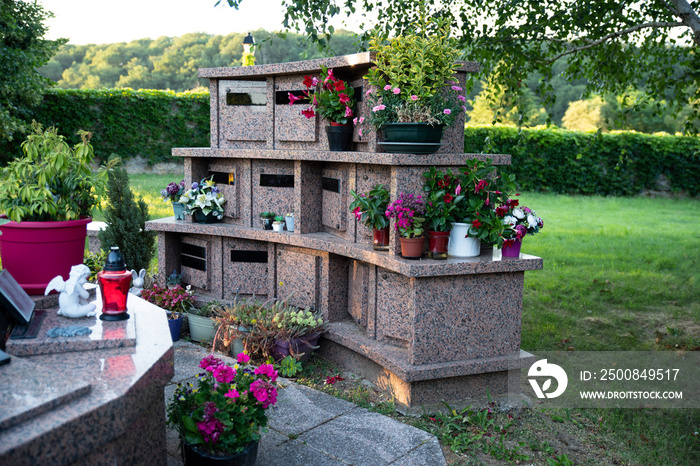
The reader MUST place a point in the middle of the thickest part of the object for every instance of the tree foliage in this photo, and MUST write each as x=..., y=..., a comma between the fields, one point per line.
x=126, y=223
x=172, y=62
x=609, y=43
x=22, y=51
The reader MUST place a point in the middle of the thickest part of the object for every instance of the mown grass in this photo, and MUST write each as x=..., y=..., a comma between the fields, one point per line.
x=619, y=274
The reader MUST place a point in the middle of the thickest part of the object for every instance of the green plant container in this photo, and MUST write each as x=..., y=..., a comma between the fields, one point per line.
x=413, y=132
x=201, y=328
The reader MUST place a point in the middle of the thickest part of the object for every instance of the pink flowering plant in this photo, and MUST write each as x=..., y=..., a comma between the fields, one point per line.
x=175, y=299
x=414, y=77
x=226, y=409
x=332, y=98
x=408, y=211
x=518, y=221
x=370, y=208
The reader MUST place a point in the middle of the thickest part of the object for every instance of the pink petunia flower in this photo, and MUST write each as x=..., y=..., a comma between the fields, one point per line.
x=387, y=87
x=414, y=97
x=396, y=91
x=447, y=111
x=242, y=358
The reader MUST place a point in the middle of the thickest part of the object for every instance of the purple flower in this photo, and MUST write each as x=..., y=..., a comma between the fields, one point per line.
x=195, y=186
x=456, y=88
x=447, y=111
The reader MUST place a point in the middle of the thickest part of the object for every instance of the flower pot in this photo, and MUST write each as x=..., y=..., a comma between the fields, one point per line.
x=36, y=252
x=339, y=137
x=412, y=248
x=199, y=217
x=513, y=250
x=437, y=244
x=302, y=347
x=179, y=211
x=175, y=328
x=201, y=328
x=460, y=244
x=412, y=132
x=267, y=223
x=277, y=226
x=289, y=222
x=192, y=455
x=380, y=239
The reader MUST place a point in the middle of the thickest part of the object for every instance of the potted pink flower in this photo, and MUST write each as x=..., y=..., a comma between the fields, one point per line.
x=518, y=221
x=221, y=418
x=408, y=212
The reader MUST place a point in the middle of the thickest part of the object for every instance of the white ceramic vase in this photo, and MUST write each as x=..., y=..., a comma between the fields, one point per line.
x=460, y=245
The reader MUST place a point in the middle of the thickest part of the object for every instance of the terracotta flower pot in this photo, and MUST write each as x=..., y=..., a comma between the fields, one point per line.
x=412, y=248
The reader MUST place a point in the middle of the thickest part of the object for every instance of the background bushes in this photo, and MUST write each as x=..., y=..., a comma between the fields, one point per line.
x=571, y=162
x=145, y=123
x=150, y=123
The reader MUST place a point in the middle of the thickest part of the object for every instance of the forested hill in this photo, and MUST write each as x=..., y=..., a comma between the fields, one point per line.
x=172, y=62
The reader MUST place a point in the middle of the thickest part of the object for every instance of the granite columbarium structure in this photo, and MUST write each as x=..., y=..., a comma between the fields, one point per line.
x=428, y=330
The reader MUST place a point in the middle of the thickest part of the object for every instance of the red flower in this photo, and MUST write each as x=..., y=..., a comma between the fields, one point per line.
x=447, y=198
x=511, y=203
x=476, y=223
x=308, y=113
x=292, y=98
x=481, y=185
x=308, y=81
x=339, y=85
x=343, y=98
x=501, y=210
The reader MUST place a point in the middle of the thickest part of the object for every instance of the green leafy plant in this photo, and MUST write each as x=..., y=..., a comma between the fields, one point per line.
x=267, y=214
x=370, y=208
x=414, y=76
x=173, y=279
x=52, y=181
x=227, y=408
x=126, y=223
x=333, y=98
x=95, y=261
x=279, y=219
x=443, y=193
x=289, y=366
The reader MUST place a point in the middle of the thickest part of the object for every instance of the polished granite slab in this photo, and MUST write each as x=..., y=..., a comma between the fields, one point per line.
x=103, y=335
x=28, y=390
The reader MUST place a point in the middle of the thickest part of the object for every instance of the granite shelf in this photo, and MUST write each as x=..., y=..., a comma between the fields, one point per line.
x=369, y=158
x=489, y=261
x=396, y=359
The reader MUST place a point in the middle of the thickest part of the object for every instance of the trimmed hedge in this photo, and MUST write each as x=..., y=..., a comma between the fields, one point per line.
x=572, y=162
x=146, y=123
x=149, y=123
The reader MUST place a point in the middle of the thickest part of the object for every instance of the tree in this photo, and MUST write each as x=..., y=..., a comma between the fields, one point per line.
x=126, y=223
x=22, y=51
x=608, y=42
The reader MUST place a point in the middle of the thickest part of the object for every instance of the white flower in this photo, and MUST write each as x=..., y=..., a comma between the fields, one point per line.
x=531, y=221
x=509, y=220
x=519, y=213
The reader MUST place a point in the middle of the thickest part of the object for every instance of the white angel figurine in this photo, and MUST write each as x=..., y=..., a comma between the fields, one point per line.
x=73, y=299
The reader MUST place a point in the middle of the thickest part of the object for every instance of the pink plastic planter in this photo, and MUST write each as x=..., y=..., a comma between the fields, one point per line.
x=35, y=252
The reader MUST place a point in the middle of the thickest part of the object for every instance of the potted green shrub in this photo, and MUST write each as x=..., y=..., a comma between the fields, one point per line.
x=416, y=95
x=370, y=209
x=267, y=218
x=48, y=195
x=297, y=331
x=278, y=224
x=201, y=321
